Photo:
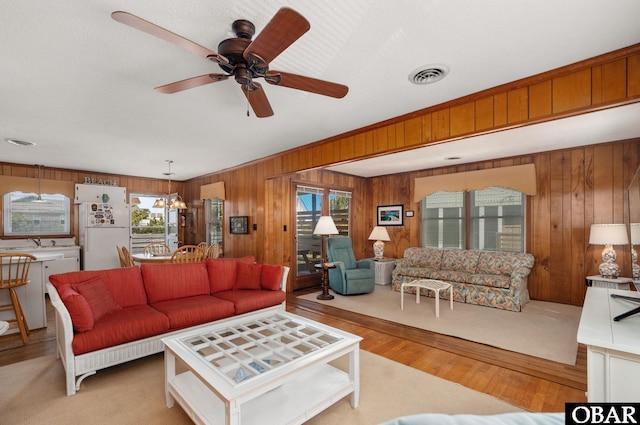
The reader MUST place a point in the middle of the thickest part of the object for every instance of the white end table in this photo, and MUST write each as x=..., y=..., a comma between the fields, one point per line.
x=383, y=269
x=4, y=326
x=435, y=285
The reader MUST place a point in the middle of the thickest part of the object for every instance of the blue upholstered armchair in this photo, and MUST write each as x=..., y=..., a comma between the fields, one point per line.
x=350, y=276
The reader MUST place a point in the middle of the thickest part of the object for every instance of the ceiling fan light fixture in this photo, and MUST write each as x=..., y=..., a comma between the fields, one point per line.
x=428, y=74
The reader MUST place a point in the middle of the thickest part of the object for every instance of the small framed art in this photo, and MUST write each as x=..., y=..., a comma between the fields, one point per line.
x=239, y=225
x=390, y=215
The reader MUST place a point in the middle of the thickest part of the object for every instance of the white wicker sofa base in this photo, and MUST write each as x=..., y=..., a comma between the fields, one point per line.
x=77, y=368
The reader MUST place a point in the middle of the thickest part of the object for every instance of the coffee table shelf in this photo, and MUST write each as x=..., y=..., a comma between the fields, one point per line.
x=283, y=359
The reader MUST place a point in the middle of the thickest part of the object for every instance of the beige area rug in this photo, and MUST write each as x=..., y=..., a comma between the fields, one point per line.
x=33, y=392
x=542, y=329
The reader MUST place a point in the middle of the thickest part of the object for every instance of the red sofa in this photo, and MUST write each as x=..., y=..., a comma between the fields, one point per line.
x=108, y=317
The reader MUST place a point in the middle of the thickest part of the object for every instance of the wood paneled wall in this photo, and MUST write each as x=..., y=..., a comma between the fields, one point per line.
x=577, y=187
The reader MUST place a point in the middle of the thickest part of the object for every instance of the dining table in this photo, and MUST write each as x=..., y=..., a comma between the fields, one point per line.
x=151, y=258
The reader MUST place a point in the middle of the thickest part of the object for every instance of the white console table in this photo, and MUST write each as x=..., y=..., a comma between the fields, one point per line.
x=613, y=348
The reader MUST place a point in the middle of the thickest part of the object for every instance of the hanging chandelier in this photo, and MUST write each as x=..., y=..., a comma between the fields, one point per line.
x=175, y=204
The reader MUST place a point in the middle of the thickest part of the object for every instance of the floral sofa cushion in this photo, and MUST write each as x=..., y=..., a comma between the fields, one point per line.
x=460, y=260
x=423, y=257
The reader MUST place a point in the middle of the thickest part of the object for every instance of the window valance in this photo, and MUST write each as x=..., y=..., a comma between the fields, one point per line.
x=519, y=177
x=28, y=184
x=212, y=191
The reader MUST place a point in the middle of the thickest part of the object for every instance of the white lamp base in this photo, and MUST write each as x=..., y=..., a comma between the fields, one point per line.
x=608, y=268
x=378, y=250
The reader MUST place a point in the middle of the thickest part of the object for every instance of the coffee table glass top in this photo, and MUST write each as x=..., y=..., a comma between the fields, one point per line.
x=245, y=350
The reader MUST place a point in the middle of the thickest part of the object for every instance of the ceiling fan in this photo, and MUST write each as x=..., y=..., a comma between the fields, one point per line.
x=243, y=59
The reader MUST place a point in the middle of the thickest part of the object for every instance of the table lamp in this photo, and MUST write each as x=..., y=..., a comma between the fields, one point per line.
x=324, y=228
x=380, y=235
x=608, y=235
x=635, y=240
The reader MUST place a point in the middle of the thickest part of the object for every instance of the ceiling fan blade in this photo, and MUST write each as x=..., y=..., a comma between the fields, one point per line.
x=190, y=83
x=312, y=85
x=282, y=30
x=258, y=100
x=166, y=35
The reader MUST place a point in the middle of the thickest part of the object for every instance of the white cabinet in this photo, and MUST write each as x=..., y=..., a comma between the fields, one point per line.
x=613, y=347
x=100, y=194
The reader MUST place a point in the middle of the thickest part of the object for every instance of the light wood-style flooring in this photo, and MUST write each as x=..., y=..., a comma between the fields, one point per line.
x=528, y=382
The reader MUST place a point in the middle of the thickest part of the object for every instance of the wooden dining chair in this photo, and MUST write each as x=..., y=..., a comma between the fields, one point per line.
x=213, y=251
x=204, y=246
x=127, y=259
x=14, y=272
x=156, y=248
x=188, y=254
x=121, y=257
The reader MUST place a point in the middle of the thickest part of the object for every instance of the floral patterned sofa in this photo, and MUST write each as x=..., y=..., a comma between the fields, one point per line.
x=489, y=278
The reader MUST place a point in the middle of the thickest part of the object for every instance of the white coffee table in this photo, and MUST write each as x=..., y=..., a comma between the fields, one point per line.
x=431, y=284
x=262, y=368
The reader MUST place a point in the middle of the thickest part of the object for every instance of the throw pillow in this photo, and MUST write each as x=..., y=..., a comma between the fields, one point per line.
x=79, y=310
x=97, y=294
x=248, y=276
x=271, y=276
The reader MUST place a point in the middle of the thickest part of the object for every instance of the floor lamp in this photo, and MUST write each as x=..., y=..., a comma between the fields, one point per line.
x=324, y=228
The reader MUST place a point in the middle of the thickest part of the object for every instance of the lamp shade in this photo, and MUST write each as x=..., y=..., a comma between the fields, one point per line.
x=635, y=233
x=379, y=233
x=608, y=234
x=325, y=226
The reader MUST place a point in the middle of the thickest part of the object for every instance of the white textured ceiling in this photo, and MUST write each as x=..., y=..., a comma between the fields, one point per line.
x=80, y=84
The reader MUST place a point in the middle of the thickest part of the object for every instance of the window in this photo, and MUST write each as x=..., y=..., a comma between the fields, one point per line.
x=339, y=203
x=25, y=215
x=214, y=219
x=492, y=218
x=148, y=224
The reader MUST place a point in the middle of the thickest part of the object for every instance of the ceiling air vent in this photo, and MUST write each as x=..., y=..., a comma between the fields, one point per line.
x=428, y=74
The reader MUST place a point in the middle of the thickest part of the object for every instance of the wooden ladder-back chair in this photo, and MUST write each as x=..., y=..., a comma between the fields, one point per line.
x=155, y=248
x=188, y=254
x=204, y=246
x=213, y=251
x=14, y=272
x=121, y=257
x=128, y=259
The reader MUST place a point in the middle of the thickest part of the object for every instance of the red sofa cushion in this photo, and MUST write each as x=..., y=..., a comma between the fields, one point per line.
x=271, y=277
x=248, y=276
x=171, y=281
x=125, y=284
x=223, y=272
x=98, y=297
x=192, y=311
x=246, y=300
x=122, y=326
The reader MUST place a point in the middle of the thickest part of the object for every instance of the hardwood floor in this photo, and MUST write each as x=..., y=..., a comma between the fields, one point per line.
x=528, y=382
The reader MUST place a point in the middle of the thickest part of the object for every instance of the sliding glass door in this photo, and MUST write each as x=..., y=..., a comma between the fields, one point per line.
x=311, y=203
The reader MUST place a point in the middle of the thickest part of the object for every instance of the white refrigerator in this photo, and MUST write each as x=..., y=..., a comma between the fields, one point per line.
x=103, y=226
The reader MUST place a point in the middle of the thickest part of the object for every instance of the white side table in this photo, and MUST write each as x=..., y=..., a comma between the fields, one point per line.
x=4, y=326
x=435, y=285
x=603, y=282
x=384, y=267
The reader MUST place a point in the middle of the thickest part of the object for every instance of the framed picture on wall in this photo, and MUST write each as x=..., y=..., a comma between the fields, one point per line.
x=239, y=225
x=390, y=215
